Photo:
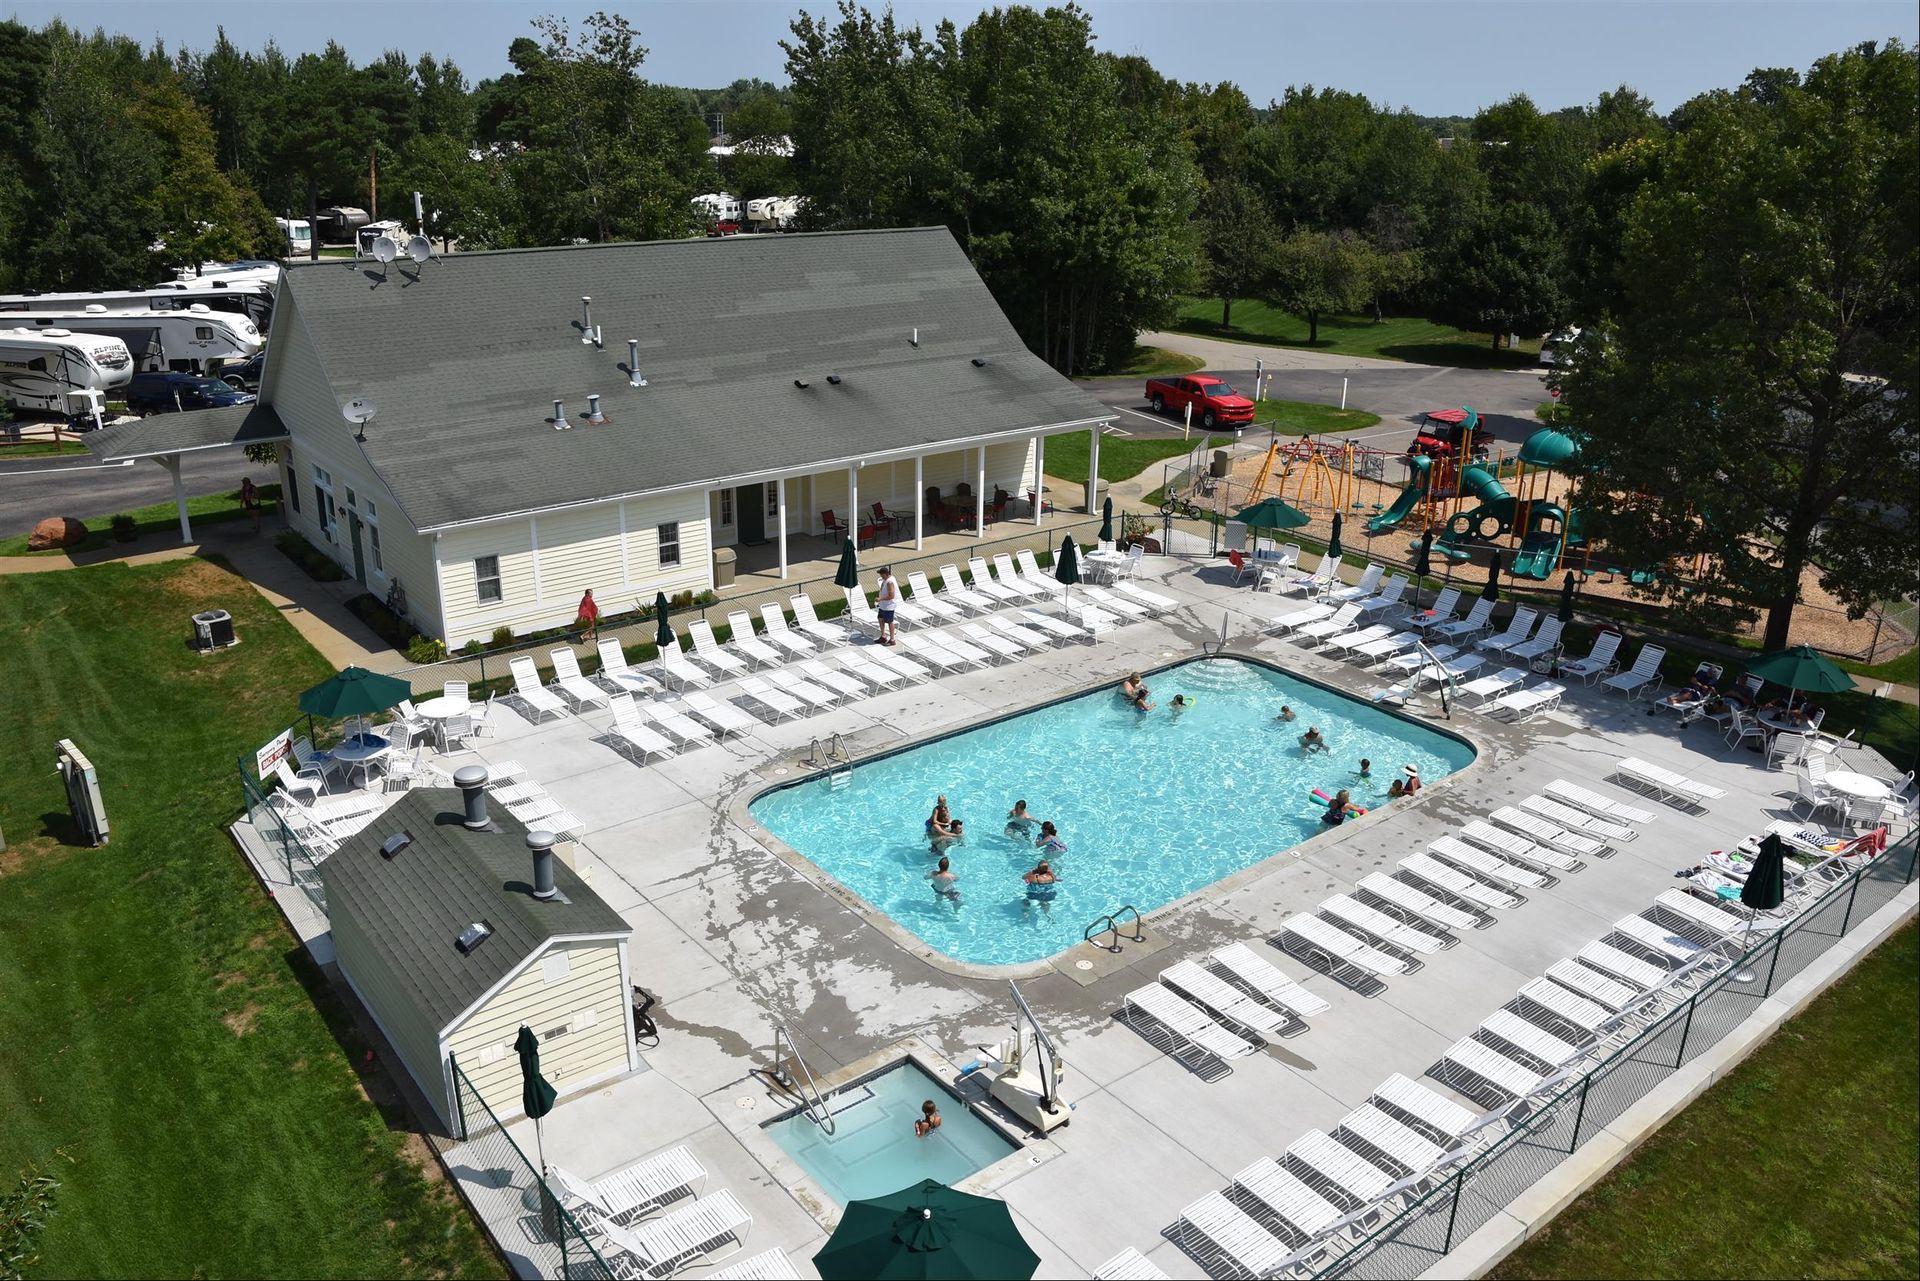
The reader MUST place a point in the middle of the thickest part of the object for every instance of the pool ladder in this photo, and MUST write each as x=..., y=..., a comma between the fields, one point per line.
x=812, y=1102
x=1108, y=922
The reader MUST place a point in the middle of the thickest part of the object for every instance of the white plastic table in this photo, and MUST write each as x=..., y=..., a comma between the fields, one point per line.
x=1104, y=564
x=440, y=707
x=1858, y=787
x=362, y=753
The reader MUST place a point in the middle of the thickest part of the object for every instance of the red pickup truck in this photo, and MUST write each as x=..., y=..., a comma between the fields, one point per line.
x=1215, y=403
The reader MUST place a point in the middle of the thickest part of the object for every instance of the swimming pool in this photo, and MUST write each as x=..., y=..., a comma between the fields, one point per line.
x=873, y=1149
x=1152, y=807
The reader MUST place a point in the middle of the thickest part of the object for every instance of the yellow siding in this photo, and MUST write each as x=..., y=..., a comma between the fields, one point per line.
x=483, y=1045
x=580, y=550
x=644, y=516
x=392, y=1007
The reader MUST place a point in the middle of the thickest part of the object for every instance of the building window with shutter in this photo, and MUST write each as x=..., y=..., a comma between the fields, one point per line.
x=486, y=579
x=669, y=539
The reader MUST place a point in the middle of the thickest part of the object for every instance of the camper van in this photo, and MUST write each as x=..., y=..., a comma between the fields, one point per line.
x=46, y=368
x=195, y=340
x=299, y=234
x=237, y=295
x=718, y=206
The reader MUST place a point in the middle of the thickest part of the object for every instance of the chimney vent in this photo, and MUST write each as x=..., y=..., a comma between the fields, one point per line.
x=540, y=843
x=633, y=364
x=472, y=782
x=915, y=340
x=560, y=422
x=586, y=319
x=593, y=409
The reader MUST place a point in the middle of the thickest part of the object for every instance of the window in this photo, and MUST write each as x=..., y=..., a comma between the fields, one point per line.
x=203, y=333
x=668, y=536
x=486, y=578
x=773, y=499
x=726, y=507
x=373, y=533
x=555, y=966
x=323, y=501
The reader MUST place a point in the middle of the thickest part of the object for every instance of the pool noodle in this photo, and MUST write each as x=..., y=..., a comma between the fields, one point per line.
x=1325, y=799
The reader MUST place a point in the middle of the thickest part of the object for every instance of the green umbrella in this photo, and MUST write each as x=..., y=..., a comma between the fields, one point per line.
x=1066, y=565
x=1106, y=521
x=662, y=629
x=1422, y=565
x=1766, y=886
x=536, y=1096
x=1333, y=544
x=1799, y=668
x=1566, y=601
x=927, y=1232
x=354, y=692
x=1272, y=513
x=1492, y=590
x=848, y=575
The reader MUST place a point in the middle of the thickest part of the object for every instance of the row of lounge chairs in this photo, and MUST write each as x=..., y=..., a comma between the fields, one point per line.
x=652, y=1220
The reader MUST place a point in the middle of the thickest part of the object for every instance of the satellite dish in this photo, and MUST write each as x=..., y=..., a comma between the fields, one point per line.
x=384, y=249
x=358, y=411
x=420, y=249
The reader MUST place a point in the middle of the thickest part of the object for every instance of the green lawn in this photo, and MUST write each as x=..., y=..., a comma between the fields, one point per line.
x=41, y=448
x=1304, y=418
x=1801, y=1163
x=1121, y=457
x=1395, y=338
x=167, y=1052
x=208, y=509
x=1154, y=362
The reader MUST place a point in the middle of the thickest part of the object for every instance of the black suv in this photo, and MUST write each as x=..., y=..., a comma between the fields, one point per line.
x=246, y=375
x=162, y=392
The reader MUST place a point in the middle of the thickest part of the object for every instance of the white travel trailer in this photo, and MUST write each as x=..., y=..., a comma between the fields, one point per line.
x=196, y=340
x=388, y=227
x=299, y=234
x=718, y=206
x=55, y=368
x=241, y=295
x=772, y=213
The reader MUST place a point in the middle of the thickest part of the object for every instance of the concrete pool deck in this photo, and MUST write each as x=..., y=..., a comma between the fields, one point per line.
x=732, y=939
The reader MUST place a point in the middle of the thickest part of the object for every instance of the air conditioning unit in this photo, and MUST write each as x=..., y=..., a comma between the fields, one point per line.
x=213, y=629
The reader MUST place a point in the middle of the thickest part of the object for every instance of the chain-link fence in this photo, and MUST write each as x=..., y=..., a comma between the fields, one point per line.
x=276, y=827
x=509, y=1186
x=1412, y=1241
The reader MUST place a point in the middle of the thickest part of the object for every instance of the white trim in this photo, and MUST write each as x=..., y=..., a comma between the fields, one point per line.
x=626, y=561
x=919, y=502
x=521, y=968
x=780, y=490
x=533, y=542
x=626, y=1009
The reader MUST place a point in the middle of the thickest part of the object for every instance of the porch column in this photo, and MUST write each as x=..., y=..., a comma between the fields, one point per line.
x=172, y=463
x=919, y=502
x=980, y=497
x=1093, y=470
x=1039, y=476
x=780, y=515
x=853, y=503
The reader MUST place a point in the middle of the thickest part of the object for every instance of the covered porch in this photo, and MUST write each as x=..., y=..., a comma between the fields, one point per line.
x=164, y=438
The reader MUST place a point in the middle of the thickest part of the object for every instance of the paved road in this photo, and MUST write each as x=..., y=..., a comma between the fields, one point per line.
x=32, y=489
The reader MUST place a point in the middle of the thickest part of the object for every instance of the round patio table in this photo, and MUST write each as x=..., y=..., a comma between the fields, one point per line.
x=1858, y=787
x=1103, y=564
x=440, y=707
x=1781, y=723
x=362, y=753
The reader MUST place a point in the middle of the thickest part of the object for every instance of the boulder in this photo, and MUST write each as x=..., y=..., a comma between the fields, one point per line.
x=56, y=531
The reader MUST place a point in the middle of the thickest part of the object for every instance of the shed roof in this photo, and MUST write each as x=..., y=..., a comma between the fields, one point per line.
x=410, y=908
x=228, y=427
x=465, y=355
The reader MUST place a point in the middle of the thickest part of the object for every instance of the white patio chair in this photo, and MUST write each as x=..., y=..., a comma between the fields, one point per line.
x=866, y=667
x=1595, y=803
x=721, y=713
x=406, y=724
x=1000, y=647
x=1156, y=602
x=1744, y=728
x=1129, y=1265
x=744, y=643
x=1500, y=871
x=681, y=729
x=1008, y=575
x=1288, y=1197
x=1665, y=783
x=1387, y=599
x=1031, y=639
x=1417, y=902
x=677, y=673
x=861, y=616
x=1523, y=705
x=1205, y=988
x=1214, y=1225
x=955, y=590
x=1246, y=966
x=1575, y=819
x=404, y=769
x=616, y=673
x=768, y=1265
x=568, y=679
x=636, y=1190
x=1643, y=677
x=1360, y=591
x=1484, y=689
x=708, y=650
x=941, y=608
x=1468, y=628
x=1544, y=642
x=1600, y=660
x=777, y=704
x=1451, y=880
x=793, y=644
x=1127, y=609
x=629, y=731
x=1438, y=613
x=1527, y=841
x=817, y=697
x=455, y=692
x=809, y=623
x=1519, y=627
x=1351, y=914
x=985, y=585
x=712, y=1228
x=838, y=681
x=1321, y=940
x=1187, y=1025
x=530, y=693
x=308, y=782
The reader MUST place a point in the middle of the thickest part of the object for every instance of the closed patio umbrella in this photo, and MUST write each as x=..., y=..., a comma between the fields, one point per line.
x=1492, y=589
x=662, y=628
x=1765, y=887
x=1566, y=601
x=1106, y=521
x=536, y=1098
x=1066, y=566
x=354, y=692
x=1333, y=544
x=848, y=575
x=927, y=1232
x=1802, y=668
x=1422, y=565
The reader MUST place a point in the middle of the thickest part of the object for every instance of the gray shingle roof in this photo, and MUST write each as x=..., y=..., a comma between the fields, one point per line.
x=466, y=356
x=411, y=908
x=183, y=433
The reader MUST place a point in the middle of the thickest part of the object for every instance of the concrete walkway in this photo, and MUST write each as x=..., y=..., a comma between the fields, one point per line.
x=1222, y=354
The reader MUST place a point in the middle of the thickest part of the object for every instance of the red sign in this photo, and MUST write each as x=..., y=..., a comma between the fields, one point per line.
x=1554, y=392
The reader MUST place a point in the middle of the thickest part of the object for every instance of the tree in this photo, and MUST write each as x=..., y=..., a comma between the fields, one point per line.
x=1239, y=243
x=322, y=132
x=1322, y=271
x=1752, y=400
x=1505, y=271
x=193, y=211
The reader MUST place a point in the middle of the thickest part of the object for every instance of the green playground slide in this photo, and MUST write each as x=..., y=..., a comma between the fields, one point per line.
x=1409, y=497
x=1537, y=556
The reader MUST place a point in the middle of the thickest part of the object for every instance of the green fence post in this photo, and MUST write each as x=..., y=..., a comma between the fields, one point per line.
x=1686, y=1029
x=1779, y=941
x=1453, y=1213
x=1580, y=1113
x=1846, y=918
x=459, y=1099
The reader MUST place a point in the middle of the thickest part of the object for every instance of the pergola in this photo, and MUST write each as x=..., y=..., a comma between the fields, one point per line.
x=166, y=438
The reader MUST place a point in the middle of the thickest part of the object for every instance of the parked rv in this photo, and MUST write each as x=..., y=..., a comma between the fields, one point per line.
x=388, y=227
x=195, y=340
x=236, y=295
x=772, y=213
x=337, y=224
x=299, y=234
x=165, y=393
x=45, y=368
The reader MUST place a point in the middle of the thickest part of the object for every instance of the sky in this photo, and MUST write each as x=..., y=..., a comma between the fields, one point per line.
x=1436, y=57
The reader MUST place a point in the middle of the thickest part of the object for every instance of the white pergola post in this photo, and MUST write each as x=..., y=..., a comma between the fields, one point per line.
x=1039, y=476
x=1093, y=471
x=780, y=516
x=172, y=463
x=980, y=496
x=853, y=503
x=919, y=502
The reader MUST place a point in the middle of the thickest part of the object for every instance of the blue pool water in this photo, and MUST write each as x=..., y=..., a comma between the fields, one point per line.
x=1152, y=807
x=873, y=1149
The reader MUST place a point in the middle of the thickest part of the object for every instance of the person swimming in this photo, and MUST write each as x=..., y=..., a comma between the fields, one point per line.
x=1336, y=811
x=929, y=1120
x=940, y=822
x=1313, y=740
x=946, y=884
x=955, y=835
x=1286, y=713
x=1019, y=822
x=1042, y=884
x=1140, y=703
x=1396, y=790
x=1179, y=704
x=1133, y=689
x=1366, y=768
x=1049, y=840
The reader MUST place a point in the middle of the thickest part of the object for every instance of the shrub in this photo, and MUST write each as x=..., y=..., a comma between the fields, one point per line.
x=680, y=600
x=705, y=599
x=124, y=528
x=472, y=647
x=502, y=637
x=422, y=649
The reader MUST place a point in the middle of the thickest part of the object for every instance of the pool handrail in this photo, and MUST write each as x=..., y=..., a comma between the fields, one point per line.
x=812, y=1102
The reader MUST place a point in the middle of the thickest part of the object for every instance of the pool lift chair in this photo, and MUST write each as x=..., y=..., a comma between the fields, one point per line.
x=1402, y=695
x=1026, y=1071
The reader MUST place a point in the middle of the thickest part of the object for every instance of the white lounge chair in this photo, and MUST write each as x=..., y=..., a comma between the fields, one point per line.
x=863, y=666
x=1187, y=1024
x=1511, y=1078
x=941, y=608
x=1643, y=677
x=955, y=589
x=1340, y=1166
x=1030, y=570
x=1641, y=974
x=1594, y=803
x=1020, y=633
x=966, y=652
x=1214, y=1226
x=1400, y=1142
x=1009, y=576
x=1346, y=642
x=1059, y=628
x=1496, y=869
x=1665, y=783
x=1524, y=704
x=1385, y=648
x=681, y=729
x=1542, y=644
x=1571, y=1008
x=778, y=634
x=1424, y=1105
x=985, y=585
x=1519, y=627
x=1600, y=660
x=1452, y=669
x=1327, y=571
x=794, y=685
x=1126, y=608
x=629, y=731
x=778, y=705
x=808, y=621
x=1467, y=628
x=310, y=782
x=1484, y=689
x=1386, y=599
x=1413, y=660
x=1531, y=1038
x=860, y=615
x=1267, y=980
x=636, y=1190
x=1339, y=621
x=677, y=673
x=567, y=678
x=839, y=682
x=711, y=1228
x=722, y=714
x=1335, y=947
x=768, y=1265
x=1591, y=984
x=1672, y=944
x=1350, y=913
x=928, y=648
x=707, y=649
x=1699, y=913
x=1298, y=616
x=528, y=690
x=1441, y=611
x=1453, y=881
x=1289, y=1197
x=617, y=673
x=1517, y=848
x=1154, y=601
x=1544, y=831
x=1129, y=1265
x=1417, y=902
x=999, y=647
x=1360, y=591
x=1604, y=830
x=1205, y=988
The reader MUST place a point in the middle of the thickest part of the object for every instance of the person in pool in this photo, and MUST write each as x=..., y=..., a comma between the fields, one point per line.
x=929, y=1120
x=1133, y=689
x=1019, y=822
x=1179, y=704
x=1313, y=740
x=1042, y=885
x=1336, y=811
x=1396, y=790
x=940, y=822
x=1140, y=703
x=1366, y=769
x=955, y=835
x=946, y=884
x=1286, y=713
x=1413, y=779
x=1049, y=840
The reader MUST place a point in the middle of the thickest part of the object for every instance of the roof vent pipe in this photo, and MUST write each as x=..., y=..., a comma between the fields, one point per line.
x=540, y=843
x=586, y=318
x=472, y=782
x=560, y=422
x=593, y=409
x=915, y=340
x=633, y=364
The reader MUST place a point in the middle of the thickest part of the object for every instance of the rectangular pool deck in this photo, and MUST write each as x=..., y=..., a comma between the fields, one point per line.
x=733, y=937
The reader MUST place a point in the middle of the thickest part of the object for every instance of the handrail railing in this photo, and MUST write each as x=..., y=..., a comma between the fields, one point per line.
x=1109, y=922
x=812, y=1102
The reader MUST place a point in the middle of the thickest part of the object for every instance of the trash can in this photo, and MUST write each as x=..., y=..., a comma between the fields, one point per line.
x=1222, y=465
x=213, y=629
x=724, y=559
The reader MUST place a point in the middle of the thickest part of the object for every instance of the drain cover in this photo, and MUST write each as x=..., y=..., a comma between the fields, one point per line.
x=779, y=772
x=746, y=1103
x=1083, y=965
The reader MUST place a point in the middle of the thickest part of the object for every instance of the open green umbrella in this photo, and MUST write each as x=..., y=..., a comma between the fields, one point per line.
x=354, y=692
x=848, y=575
x=1566, y=601
x=662, y=628
x=927, y=1232
x=1801, y=668
x=1270, y=513
x=1333, y=544
x=1492, y=589
x=1106, y=521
